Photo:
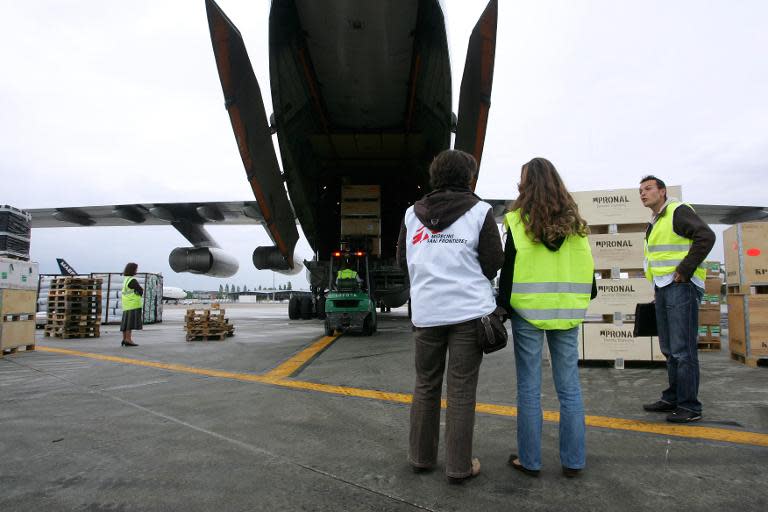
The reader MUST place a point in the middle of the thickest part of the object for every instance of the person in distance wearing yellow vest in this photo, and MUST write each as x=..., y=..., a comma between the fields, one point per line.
x=347, y=273
x=546, y=283
x=676, y=242
x=132, y=307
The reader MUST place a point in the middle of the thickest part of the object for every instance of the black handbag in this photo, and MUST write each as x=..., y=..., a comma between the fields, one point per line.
x=491, y=333
x=645, y=320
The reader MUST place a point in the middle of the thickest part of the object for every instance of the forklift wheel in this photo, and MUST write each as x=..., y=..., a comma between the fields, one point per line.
x=368, y=327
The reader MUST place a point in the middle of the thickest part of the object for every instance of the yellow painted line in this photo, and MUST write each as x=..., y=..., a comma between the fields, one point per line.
x=290, y=366
x=273, y=378
x=154, y=364
x=688, y=431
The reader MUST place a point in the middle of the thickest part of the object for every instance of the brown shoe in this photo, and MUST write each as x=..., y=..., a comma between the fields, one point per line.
x=473, y=473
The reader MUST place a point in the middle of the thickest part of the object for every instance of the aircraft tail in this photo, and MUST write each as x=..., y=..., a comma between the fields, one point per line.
x=66, y=268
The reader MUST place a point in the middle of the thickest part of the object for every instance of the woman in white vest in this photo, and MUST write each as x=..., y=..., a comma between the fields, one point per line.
x=131, y=303
x=450, y=245
x=546, y=284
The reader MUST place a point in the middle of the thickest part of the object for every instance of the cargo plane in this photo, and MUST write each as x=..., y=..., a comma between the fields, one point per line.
x=361, y=97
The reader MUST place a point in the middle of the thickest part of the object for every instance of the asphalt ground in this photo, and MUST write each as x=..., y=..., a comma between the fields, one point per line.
x=280, y=417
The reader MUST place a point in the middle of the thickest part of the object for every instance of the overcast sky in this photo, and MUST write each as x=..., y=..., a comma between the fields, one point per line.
x=108, y=102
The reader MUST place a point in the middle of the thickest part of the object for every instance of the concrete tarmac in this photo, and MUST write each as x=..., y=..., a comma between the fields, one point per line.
x=280, y=417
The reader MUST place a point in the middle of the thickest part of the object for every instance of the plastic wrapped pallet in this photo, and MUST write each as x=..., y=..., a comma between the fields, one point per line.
x=112, y=304
x=14, y=232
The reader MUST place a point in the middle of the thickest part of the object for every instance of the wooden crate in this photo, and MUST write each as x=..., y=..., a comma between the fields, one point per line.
x=748, y=325
x=620, y=296
x=360, y=192
x=617, y=206
x=621, y=250
x=352, y=226
x=14, y=302
x=713, y=285
x=709, y=314
x=365, y=208
x=19, y=333
x=609, y=341
x=746, y=254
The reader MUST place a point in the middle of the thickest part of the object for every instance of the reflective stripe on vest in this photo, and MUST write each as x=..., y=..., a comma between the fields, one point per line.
x=550, y=289
x=130, y=299
x=665, y=249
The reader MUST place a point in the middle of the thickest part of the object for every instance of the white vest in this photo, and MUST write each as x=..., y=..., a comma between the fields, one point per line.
x=447, y=283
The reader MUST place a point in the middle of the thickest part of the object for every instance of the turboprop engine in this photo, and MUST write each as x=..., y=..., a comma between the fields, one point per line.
x=209, y=261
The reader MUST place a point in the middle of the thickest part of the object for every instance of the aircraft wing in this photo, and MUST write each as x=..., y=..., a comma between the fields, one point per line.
x=189, y=219
x=730, y=214
x=149, y=214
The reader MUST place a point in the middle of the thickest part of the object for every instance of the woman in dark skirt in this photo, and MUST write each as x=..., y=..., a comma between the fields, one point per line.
x=132, y=307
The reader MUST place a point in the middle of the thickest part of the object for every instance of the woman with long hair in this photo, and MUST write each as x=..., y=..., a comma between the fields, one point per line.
x=546, y=284
x=130, y=298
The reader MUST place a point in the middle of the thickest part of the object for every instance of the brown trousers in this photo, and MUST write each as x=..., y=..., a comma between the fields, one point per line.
x=464, y=358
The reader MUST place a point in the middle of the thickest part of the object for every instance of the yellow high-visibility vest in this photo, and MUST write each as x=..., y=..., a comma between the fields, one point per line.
x=347, y=273
x=664, y=249
x=130, y=299
x=550, y=289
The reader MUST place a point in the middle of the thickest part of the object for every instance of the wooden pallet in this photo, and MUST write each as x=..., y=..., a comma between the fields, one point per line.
x=207, y=324
x=76, y=282
x=74, y=317
x=752, y=362
x=206, y=337
x=68, y=292
x=17, y=317
x=71, y=332
x=13, y=350
x=709, y=346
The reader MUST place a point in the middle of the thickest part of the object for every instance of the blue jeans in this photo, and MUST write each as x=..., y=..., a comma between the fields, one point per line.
x=677, y=319
x=563, y=348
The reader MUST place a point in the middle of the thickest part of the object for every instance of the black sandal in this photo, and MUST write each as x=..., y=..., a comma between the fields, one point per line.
x=518, y=466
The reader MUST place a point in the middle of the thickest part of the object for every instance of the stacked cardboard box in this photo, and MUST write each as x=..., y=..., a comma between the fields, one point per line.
x=207, y=324
x=74, y=308
x=618, y=221
x=746, y=266
x=361, y=215
x=709, y=309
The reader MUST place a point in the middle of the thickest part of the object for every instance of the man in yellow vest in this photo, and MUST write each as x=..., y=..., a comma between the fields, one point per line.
x=676, y=243
x=346, y=274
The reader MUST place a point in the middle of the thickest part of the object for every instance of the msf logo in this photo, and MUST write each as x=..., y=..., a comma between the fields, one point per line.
x=422, y=234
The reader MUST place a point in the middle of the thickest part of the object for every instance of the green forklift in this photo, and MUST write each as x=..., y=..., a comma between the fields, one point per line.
x=349, y=305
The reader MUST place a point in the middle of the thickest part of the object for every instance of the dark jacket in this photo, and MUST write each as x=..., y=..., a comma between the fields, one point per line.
x=508, y=270
x=687, y=224
x=441, y=208
x=134, y=285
